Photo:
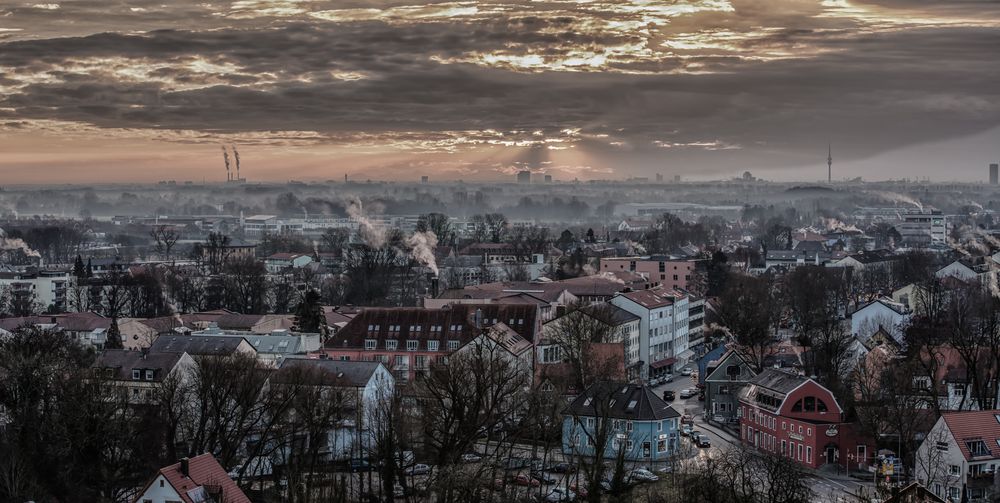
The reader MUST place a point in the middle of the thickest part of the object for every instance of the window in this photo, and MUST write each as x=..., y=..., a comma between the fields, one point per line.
x=345, y=358
x=421, y=362
x=800, y=452
x=590, y=422
x=402, y=362
x=433, y=345
x=784, y=447
x=390, y=345
x=977, y=447
x=809, y=432
x=136, y=374
x=862, y=452
x=411, y=345
x=659, y=426
x=959, y=390
x=953, y=469
x=149, y=374
x=723, y=390
x=628, y=426
x=452, y=345
x=370, y=344
x=809, y=454
x=628, y=446
x=782, y=426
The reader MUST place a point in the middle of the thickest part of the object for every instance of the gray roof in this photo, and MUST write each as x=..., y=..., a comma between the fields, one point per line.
x=355, y=373
x=276, y=344
x=196, y=344
x=122, y=361
x=616, y=315
x=778, y=380
x=623, y=401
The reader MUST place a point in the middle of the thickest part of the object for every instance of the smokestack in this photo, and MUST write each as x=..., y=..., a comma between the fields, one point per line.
x=236, y=154
x=225, y=157
x=185, y=467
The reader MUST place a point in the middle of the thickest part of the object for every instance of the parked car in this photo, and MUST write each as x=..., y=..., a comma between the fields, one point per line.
x=418, y=469
x=686, y=371
x=686, y=430
x=406, y=458
x=642, y=475
x=688, y=392
x=543, y=477
x=360, y=465
x=579, y=490
x=524, y=480
x=560, y=494
x=668, y=378
x=471, y=457
x=562, y=468
x=719, y=418
x=668, y=396
x=694, y=434
x=702, y=441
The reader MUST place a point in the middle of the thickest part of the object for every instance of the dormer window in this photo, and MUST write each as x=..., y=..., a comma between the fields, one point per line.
x=136, y=374
x=149, y=374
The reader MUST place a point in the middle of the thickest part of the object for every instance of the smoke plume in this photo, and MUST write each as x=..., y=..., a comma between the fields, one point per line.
x=7, y=243
x=422, y=249
x=371, y=234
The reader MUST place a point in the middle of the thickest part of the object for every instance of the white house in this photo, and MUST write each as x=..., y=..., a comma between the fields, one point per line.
x=966, y=270
x=623, y=327
x=364, y=385
x=960, y=455
x=195, y=480
x=883, y=312
x=140, y=373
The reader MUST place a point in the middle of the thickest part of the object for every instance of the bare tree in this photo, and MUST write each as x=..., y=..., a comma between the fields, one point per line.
x=164, y=238
x=749, y=308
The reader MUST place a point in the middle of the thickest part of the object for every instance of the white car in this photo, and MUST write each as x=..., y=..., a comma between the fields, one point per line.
x=560, y=494
x=668, y=378
x=418, y=469
x=471, y=457
x=642, y=475
x=686, y=372
x=688, y=392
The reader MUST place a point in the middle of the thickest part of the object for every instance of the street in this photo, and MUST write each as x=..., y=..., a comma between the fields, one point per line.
x=825, y=488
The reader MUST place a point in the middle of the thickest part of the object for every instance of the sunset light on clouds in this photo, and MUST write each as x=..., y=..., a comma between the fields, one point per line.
x=314, y=90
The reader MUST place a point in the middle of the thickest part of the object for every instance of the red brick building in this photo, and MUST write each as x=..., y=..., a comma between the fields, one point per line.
x=793, y=416
x=408, y=339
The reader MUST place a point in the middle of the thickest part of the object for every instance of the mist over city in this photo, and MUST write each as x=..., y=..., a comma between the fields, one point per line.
x=677, y=251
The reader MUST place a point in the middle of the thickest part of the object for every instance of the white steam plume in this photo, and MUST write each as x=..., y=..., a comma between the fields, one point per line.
x=7, y=243
x=422, y=249
x=372, y=235
x=899, y=198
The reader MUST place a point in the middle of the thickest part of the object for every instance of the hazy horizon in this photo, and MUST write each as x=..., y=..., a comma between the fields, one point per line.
x=396, y=89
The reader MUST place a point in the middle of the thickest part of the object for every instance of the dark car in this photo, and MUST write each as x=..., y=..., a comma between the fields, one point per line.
x=562, y=468
x=360, y=465
x=668, y=396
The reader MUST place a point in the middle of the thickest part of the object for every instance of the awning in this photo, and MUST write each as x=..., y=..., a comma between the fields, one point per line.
x=685, y=355
x=663, y=363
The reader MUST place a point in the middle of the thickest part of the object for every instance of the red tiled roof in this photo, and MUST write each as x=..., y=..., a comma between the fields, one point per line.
x=970, y=426
x=203, y=472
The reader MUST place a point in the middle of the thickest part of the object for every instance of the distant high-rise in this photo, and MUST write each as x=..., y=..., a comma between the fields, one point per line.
x=548, y=178
x=524, y=176
x=994, y=174
x=829, y=163
x=424, y=179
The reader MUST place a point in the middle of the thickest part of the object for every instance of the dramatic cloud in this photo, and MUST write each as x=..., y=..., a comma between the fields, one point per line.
x=478, y=89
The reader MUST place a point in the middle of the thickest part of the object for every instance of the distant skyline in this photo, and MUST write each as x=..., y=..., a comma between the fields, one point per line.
x=395, y=89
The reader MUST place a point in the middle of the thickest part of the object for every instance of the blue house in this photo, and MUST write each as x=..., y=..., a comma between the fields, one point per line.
x=639, y=423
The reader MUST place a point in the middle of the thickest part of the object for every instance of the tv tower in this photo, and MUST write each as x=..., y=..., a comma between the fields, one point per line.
x=829, y=163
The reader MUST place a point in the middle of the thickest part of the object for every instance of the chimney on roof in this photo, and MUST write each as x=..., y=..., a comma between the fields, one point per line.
x=185, y=468
x=479, y=318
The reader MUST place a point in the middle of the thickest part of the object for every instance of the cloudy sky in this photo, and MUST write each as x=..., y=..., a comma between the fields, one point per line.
x=148, y=90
